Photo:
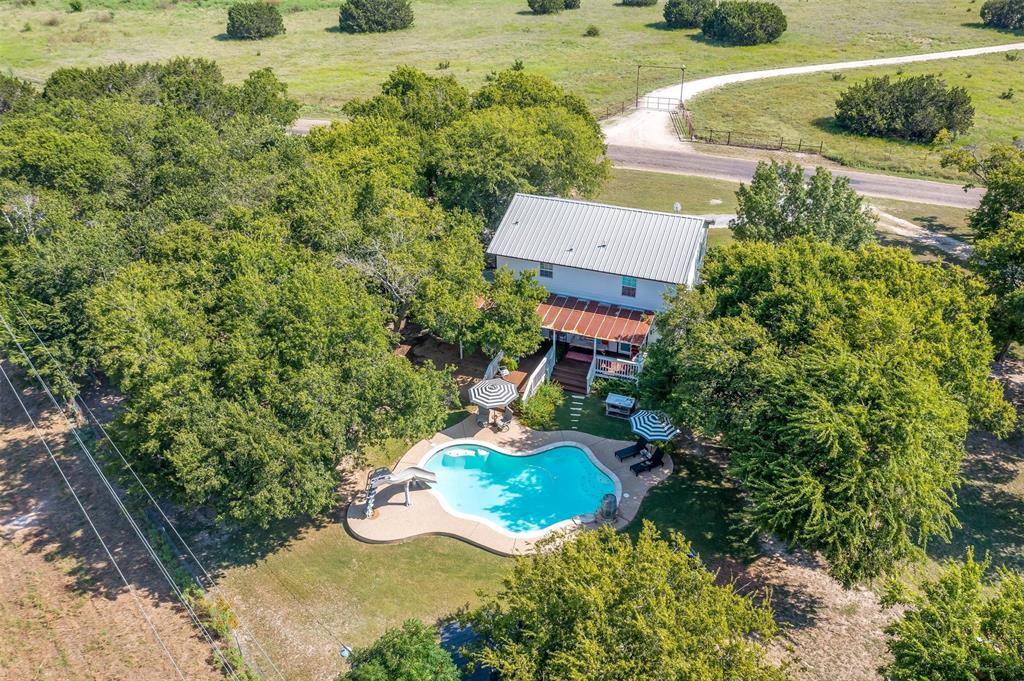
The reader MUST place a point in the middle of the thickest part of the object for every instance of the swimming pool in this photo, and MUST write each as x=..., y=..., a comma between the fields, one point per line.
x=524, y=494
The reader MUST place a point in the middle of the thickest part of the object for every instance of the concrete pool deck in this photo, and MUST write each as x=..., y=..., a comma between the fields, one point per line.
x=393, y=521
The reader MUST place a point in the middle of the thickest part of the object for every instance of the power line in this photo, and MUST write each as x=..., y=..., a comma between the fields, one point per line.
x=152, y=499
x=120, y=504
x=88, y=518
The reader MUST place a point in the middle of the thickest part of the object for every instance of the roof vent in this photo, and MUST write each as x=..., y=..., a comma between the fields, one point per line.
x=602, y=245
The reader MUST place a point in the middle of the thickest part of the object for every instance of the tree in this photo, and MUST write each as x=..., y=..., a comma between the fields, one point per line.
x=780, y=204
x=842, y=382
x=483, y=159
x=958, y=626
x=15, y=94
x=375, y=16
x=1005, y=14
x=427, y=102
x=427, y=261
x=916, y=108
x=687, y=13
x=410, y=653
x=509, y=321
x=518, y=88
x=251, y=368
x=745, y=23
x=604, y=606
x=254, y=21
x=999, y=259
x=546, y=6
x=1001, y=172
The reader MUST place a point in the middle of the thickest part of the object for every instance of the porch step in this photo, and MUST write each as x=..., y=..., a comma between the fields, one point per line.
x=571, y=374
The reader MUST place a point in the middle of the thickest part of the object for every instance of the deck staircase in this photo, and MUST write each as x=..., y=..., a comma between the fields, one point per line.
x=571, y=374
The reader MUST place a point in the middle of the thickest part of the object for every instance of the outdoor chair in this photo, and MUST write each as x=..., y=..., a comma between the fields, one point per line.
x=632, y=450
x=483, y=418
x=656, y=460
x=505, y=421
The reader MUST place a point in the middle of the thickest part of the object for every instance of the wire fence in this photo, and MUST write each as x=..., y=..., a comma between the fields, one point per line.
x=687, y=132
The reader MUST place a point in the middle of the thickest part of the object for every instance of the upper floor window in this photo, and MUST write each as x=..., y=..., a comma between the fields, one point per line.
x=547, y=270
x=629, y=287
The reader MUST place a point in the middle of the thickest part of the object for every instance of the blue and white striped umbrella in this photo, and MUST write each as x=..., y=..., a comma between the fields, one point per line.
x=493, y=393
x=652, y=425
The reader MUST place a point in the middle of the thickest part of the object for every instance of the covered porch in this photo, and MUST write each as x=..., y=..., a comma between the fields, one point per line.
x=594, y=340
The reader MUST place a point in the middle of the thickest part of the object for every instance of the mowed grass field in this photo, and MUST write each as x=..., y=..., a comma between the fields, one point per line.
x=803, y=107
x=324, y=68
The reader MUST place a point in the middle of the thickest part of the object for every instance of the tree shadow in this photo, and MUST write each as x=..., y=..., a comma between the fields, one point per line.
x=661, y=26
x=39, y=515
x=699, y=501
x=991, y=501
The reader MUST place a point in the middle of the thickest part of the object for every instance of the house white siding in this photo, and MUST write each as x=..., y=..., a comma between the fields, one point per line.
x=591, y=285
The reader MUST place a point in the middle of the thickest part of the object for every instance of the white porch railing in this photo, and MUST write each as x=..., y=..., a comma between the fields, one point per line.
x=615, y=367
x=539, y=374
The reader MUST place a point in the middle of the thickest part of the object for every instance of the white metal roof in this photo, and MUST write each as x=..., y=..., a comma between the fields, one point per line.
x=646, y=244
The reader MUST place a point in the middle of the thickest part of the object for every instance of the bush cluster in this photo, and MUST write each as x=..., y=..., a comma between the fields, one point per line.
x=572, y=4
x=539, y=411
x=546, y=6
x=745, y=23
x=687, y=13
x=254, y=20
x=1008, y=14
x=914, y=109
x=375, y=16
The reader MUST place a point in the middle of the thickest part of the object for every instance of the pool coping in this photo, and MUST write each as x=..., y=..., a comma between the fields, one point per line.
x=393, y=522
x=534, y=534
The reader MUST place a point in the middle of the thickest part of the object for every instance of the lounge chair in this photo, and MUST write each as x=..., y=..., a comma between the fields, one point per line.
x=505, y=420
x=657, y=459
x=632, y=450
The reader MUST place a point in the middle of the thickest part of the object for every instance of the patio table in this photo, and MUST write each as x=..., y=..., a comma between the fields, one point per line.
x=619, y=406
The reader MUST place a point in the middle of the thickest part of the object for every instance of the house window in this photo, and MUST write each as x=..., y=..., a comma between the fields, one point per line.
x=629, y=287
x=626, y=348
x=547, y=270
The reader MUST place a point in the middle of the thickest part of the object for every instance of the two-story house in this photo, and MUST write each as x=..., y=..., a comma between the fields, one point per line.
x=607, y=269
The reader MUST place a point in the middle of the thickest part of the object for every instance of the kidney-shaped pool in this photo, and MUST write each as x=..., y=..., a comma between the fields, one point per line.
x=521, y=494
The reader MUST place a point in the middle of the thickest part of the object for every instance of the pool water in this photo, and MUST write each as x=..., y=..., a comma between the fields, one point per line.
x=519, y=494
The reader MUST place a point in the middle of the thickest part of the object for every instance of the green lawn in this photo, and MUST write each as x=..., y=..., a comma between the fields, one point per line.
x=326, y=68
x=660, y=191
x=802, y=107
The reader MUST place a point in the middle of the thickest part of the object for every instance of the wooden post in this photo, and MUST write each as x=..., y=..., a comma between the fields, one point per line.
x=799, y=146
x=728, y=140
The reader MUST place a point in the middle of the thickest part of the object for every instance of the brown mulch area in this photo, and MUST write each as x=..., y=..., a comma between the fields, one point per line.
x=64, y=612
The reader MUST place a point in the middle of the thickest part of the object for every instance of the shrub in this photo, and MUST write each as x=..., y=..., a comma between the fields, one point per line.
x=375, y=16
x=539, y=411
x=687, y=13
x=915, y=108
x=254, y=20
x=592, y=31
x=546, y=6
x=411, y=652
x=602, y=386
x=1008, y=14
x=75, y=5
x=745, y=23
x=572, y=4
x=639, y=3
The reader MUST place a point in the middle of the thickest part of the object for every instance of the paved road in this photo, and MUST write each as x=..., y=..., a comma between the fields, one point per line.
x=685, y=162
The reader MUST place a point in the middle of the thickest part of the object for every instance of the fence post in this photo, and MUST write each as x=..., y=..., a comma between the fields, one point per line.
x=782, y=142
x=821, y=148
x=799, y=146
x=728, y=139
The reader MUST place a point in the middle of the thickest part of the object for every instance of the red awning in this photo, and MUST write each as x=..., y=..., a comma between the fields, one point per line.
x=595, y=320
